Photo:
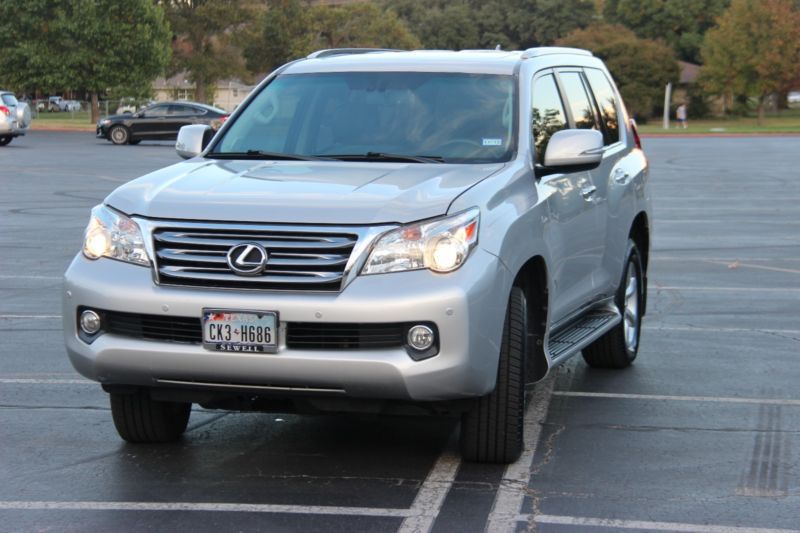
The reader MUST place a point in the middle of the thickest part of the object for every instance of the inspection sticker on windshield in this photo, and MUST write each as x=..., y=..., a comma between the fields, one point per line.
x=491, y=142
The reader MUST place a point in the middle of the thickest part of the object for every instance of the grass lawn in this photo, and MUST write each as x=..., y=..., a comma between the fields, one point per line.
x=78, y=120
x=787, y=121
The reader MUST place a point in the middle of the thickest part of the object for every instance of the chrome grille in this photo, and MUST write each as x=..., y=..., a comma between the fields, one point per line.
x=304, y=259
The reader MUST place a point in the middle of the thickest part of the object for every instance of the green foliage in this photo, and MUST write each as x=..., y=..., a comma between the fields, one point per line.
x=681, y=23
x=463, y=24
x=205, y=42
x=754, y=51
x=291, y=30
x=641, y=67
x=94, y=45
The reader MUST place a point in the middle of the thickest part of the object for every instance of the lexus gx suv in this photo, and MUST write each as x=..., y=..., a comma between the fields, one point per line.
x=374, y=229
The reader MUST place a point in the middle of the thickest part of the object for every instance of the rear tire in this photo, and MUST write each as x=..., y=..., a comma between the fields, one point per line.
x=491, y=432
x=119, y=135
x=5, y=140
x=618, y=348
x=140, y=419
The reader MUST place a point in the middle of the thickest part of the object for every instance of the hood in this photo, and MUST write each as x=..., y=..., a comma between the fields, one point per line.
x=318, y=192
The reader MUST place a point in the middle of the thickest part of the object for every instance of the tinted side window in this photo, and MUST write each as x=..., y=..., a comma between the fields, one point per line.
x=156, y=111
x=184, y=110
x=607, y=101
x=548, y=114
x=578, y=101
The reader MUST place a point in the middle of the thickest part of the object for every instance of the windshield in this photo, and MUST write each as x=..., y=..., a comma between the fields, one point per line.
x=459, y=118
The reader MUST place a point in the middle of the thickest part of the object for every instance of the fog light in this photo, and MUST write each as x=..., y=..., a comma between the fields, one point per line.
x=420, y=337
x=90, y=322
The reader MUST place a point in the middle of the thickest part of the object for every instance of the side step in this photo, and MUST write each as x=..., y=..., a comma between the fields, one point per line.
x=568, y=341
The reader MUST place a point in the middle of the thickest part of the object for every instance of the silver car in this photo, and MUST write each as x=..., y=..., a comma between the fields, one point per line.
x=401, y=231
x=15, y=117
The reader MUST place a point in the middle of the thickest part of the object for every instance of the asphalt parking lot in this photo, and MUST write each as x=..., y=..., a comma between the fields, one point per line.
x=701, y=434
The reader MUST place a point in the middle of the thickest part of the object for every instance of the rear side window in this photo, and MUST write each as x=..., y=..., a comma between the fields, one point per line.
x=548, y=114
x=607, y=101
x=184, y=110
x=9, y=99
x=156, y=111
x=578, y=101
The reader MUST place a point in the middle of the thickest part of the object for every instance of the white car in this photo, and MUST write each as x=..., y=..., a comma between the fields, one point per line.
x=794, y=97
x=15, y=117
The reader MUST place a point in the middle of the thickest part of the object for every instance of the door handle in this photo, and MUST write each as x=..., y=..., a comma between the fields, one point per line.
x=588, y=191
x=620, y=176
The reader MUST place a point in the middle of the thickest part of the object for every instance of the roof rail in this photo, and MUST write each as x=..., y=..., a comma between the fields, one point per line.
x=550, y=50
x=346, y=51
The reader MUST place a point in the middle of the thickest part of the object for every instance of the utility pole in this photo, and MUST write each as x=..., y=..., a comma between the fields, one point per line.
x=667, y=100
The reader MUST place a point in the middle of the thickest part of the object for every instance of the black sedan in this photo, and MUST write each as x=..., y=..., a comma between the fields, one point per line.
x=159, y=122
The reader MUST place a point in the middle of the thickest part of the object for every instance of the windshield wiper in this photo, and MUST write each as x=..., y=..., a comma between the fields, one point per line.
x=260, y=154
x=383, y=156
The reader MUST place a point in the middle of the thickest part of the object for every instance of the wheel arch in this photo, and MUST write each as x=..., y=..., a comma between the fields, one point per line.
x=532, y=278
x=640, y=234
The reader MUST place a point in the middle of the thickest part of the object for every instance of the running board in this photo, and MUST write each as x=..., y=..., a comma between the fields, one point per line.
x=568, y=341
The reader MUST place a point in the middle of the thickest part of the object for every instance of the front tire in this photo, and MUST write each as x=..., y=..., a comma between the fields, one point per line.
x=139, y=419
x=119, y=135
x=491, y=432
x=618, y=348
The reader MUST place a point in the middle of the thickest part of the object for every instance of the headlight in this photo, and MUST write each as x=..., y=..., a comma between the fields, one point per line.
x=105, y=122
x=440, y=245
x=111, y=234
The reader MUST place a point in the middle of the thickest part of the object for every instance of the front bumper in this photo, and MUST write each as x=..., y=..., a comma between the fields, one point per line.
x=468, y=307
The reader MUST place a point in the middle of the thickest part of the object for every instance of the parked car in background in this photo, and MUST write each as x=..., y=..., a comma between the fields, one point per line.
x=158, y=122
x=57, y=103
x=15, y=117
x=793, y=97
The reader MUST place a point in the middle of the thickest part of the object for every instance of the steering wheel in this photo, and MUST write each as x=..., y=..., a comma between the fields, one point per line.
x=469, y=142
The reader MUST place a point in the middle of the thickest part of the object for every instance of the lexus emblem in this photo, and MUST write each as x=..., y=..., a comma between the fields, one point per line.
x=247, y=259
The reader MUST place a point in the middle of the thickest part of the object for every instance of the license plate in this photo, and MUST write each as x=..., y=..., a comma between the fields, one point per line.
x=240, y=331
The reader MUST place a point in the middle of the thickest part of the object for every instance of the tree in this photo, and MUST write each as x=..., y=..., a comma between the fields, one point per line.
x=681, y=23
x=94, y=45
x=513, y=24
x=283, y=36
x=205, y=40
x=753, y=51
x=290, y=30
x=642, y=67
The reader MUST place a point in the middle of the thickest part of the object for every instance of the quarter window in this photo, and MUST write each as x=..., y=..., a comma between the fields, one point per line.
x=547, y=116
x=607, y=101
x=579, y=103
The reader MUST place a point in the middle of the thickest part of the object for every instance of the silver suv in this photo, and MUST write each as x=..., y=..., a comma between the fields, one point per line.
x=15, y=117
x=374, y=230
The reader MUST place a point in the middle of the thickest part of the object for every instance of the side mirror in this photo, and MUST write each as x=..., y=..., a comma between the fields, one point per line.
x=192, y=140
x=574, y=148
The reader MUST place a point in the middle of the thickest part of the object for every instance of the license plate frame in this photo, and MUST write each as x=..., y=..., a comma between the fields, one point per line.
x=239, y=317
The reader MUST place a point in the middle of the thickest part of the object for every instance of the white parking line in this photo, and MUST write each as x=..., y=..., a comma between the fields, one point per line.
x=722, y=329
x=34, y=381
x=514, y=485
x=726, y=289
x=646, y=524
x=431, y=495
x=191, y=506
x=17, y=276
x=661, y=397
x=31, y=316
